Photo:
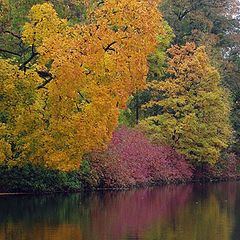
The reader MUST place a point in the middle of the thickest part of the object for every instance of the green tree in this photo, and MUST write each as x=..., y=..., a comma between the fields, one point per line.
x=215, y=24
x=157, y=71
x=195, y=107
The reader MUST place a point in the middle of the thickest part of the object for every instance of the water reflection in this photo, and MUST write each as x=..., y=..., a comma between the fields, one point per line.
x=198, y=212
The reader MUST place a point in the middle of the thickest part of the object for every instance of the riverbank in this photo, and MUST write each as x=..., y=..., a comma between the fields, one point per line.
x=38, y=180
x=131, y=160
x=80, y=190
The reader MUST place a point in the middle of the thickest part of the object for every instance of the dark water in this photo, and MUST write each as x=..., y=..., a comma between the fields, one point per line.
x=191, y=212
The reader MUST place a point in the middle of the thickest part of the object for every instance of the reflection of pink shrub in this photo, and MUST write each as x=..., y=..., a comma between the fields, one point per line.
x=131, y=159
x=130, y=213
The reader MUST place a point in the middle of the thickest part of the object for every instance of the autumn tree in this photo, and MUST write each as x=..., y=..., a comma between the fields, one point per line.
x=195, y=107
x=215, y=24
x=157, y=71
x=82, y=75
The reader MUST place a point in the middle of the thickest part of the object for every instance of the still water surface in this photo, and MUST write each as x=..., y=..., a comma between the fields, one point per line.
x=189, y=212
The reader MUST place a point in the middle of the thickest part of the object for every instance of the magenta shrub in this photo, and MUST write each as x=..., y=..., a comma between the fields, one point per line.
x=131, y=159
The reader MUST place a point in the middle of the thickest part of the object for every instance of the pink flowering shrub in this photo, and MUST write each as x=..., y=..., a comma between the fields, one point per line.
x=132, y=159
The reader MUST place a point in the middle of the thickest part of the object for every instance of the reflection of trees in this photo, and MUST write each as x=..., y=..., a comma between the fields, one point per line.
x=40, y=232
x=166, y=213
x=98, y=216
x=49, y=209
x=39, y=218
x=127, y=214
x=209, y=218
x=235, y=191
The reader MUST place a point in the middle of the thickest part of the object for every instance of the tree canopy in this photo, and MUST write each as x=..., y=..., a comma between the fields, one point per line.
x=66, y=90
x=195, y=109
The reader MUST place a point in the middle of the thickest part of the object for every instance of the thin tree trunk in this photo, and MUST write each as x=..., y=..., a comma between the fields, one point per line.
x=137, y=109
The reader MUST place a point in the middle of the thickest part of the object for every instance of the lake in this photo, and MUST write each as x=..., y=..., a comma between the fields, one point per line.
x=184, y=212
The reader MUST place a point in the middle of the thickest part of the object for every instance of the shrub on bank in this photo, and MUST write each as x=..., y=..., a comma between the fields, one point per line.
x=131, y=159
x=227, y=168
x=31, y=178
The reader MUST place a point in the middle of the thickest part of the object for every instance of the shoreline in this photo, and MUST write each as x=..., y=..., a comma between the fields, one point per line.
x=136, y=187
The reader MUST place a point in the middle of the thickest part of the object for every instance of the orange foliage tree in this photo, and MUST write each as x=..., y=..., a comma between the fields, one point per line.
x=81, y=76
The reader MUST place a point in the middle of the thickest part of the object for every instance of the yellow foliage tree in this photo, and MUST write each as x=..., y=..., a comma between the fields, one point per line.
x=84, y=74
x=44, y=22
x=19, y=112
x=195, y=107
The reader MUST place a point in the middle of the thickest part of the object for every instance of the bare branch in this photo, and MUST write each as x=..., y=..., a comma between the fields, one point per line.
x=109, y=47
x=10, y=52
x=46, y=76
x=12, y=33
x=34, y=54
x=83, y=97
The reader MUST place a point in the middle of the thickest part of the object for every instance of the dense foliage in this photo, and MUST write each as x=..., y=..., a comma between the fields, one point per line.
x=73, y=73
x=29, y=178
x=195, y=110
x=75, y=89
x=132, y=160
x=215, y=24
